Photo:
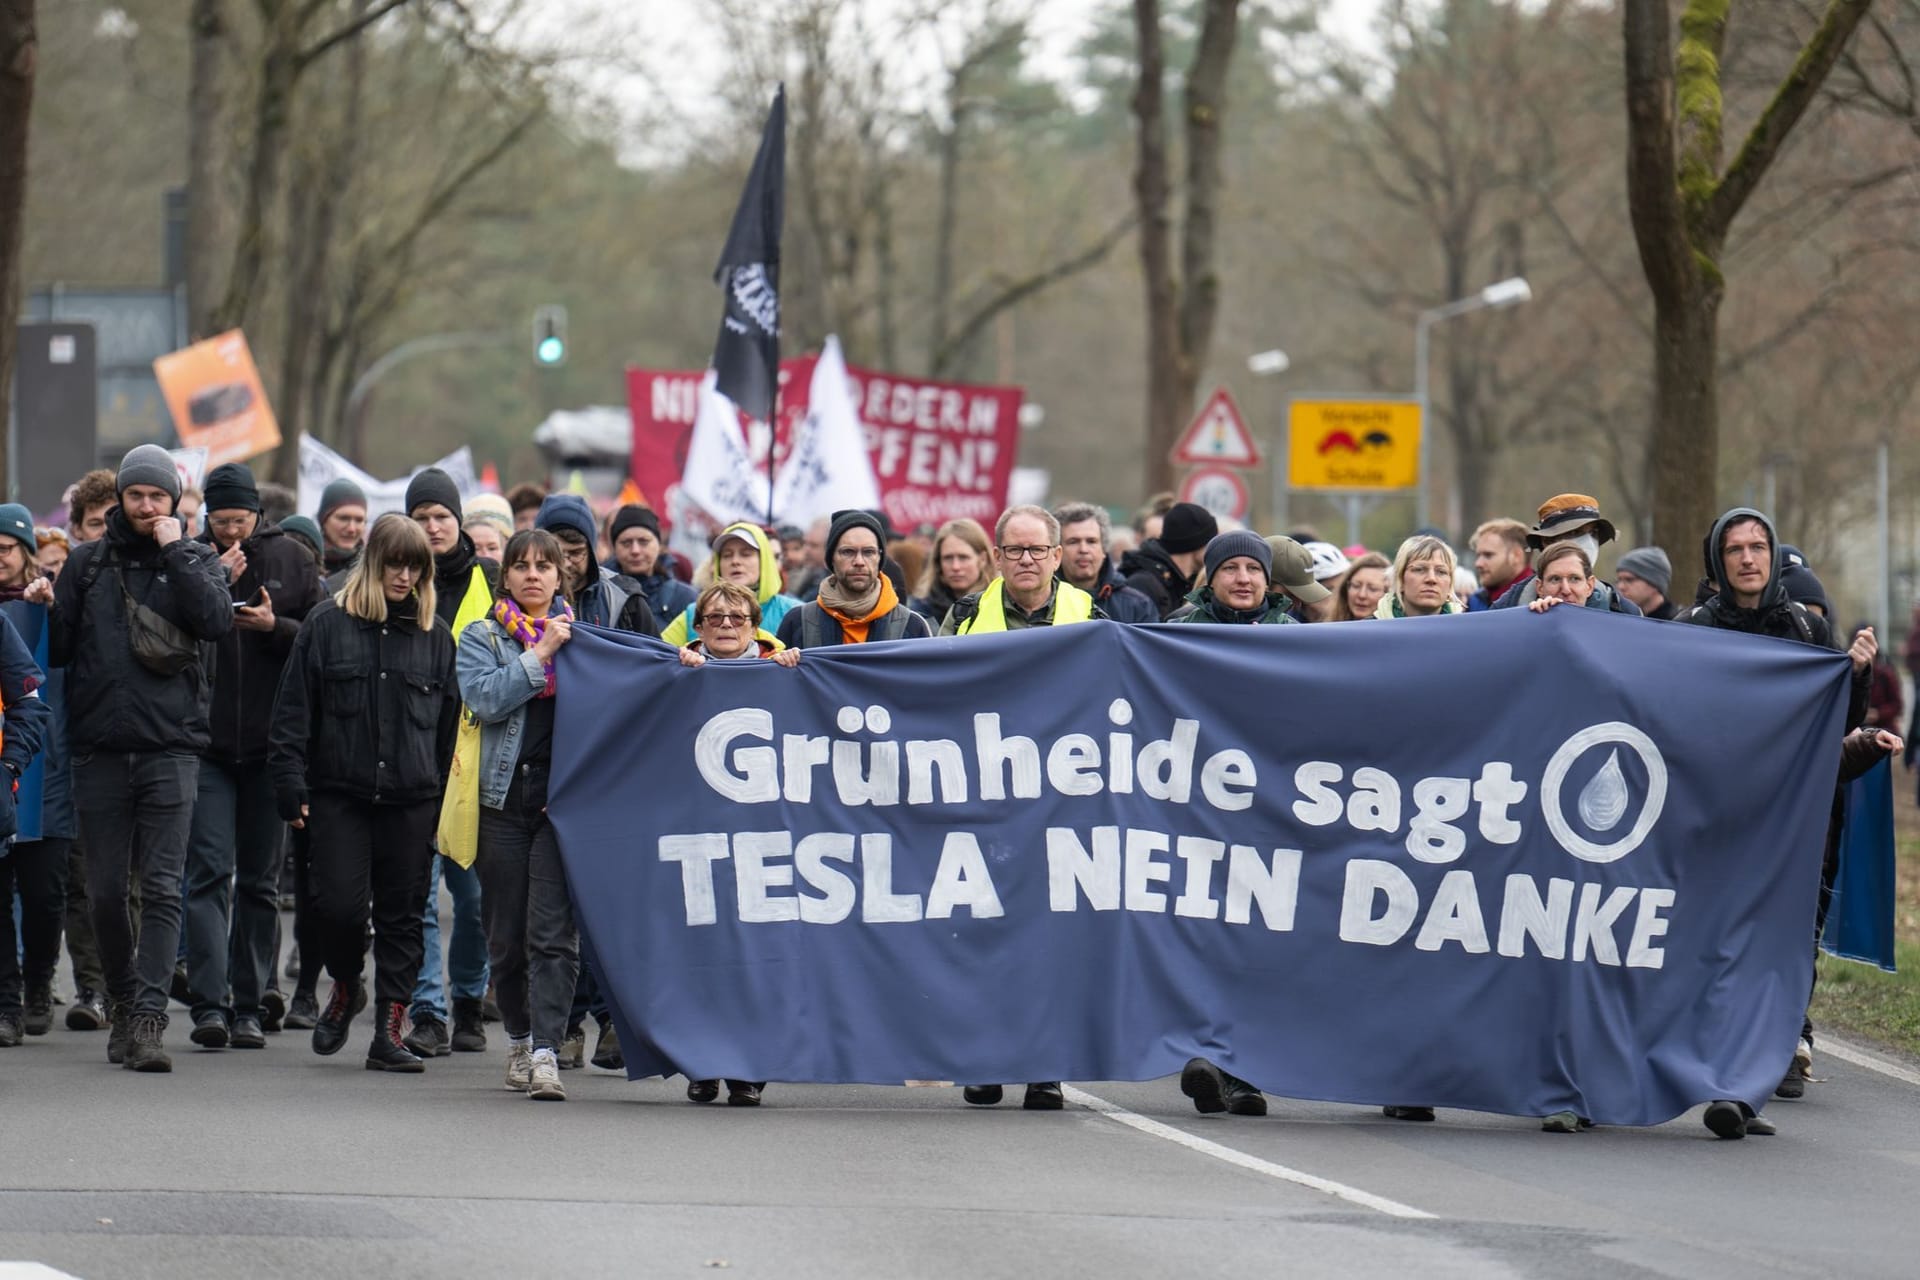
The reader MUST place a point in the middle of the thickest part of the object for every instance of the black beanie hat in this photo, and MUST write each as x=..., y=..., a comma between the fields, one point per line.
x=230, y=487
x=340, y=493
x=1187, y=526
x=433, y=486
x=632, y=516
x=844, y=521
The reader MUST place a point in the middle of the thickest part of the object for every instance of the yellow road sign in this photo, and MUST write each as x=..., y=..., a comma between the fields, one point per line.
x=1353, y=444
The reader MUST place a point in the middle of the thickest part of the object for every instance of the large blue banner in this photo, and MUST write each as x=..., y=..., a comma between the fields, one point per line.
x=1513, y=862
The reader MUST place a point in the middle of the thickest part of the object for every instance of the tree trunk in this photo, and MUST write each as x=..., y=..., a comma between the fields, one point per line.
x=1151, y=187
x=947, y=226
x=272, y=110
x=207, y=164
x=19, y=52
x=1684, y=450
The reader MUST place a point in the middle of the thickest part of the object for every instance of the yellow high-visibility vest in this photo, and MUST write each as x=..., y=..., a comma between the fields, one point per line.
x=1070, y=604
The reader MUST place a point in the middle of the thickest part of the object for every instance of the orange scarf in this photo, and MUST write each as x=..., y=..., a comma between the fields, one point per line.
x=855, y=629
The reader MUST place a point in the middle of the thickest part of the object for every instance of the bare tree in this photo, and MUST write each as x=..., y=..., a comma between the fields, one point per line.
x=19, y=50
x=209, y=160
x=1683, y=197
x=1181, y=307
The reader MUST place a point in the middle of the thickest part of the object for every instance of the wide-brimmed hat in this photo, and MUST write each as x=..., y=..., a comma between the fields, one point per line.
x=1561, y=514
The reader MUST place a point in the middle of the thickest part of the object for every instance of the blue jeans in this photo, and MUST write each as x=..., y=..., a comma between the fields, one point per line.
x=466, y=954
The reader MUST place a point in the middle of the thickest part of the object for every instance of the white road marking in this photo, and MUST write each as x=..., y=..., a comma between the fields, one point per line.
x=1861, y=1058
x=31, y=1271
x=1241, y=1160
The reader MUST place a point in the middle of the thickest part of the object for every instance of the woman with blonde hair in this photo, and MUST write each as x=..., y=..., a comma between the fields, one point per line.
x=1421, y=585
x=363, y=732
x=961, y=564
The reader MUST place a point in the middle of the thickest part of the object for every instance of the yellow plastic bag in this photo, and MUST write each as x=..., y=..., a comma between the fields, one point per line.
x=459, y=831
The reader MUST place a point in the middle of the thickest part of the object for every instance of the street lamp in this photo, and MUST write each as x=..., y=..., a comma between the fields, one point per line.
x=1268, y=364
x=1503, y=293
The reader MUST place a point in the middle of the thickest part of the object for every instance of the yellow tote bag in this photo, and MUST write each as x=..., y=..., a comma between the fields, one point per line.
x=459, y=831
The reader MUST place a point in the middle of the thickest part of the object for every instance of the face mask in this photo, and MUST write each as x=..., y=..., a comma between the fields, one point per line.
x=1587, y=543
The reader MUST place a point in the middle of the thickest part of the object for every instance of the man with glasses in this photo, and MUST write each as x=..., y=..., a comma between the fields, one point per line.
x=235, y=844
x=856, y=602
x=1027, y=593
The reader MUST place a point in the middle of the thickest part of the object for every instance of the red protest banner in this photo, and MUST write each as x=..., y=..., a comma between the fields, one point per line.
x=940, y=450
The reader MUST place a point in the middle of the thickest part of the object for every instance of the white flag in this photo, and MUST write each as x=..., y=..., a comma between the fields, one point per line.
x=720, y=475
x=321, y=466
x=827, y=467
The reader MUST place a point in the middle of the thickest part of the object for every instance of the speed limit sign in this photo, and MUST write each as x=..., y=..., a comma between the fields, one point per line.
x=1220, y=491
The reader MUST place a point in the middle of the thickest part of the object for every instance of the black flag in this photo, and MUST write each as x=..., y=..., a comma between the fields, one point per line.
x=746, y=357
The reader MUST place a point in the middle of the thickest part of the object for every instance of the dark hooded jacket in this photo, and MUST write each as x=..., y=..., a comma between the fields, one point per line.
x=1150, y=570
x=1209, y=608
x=1777, y=614
x=453, y=572
x=247, y=664
x=608, y=599
x=1119, y=601
x=114, y=703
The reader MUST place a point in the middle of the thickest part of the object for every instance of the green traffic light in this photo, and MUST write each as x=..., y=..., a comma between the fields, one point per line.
x=550, y=350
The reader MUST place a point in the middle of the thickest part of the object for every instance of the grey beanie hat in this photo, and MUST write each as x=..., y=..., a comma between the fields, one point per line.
x=148, y=464
x=1651, y=566
x=1241, y=542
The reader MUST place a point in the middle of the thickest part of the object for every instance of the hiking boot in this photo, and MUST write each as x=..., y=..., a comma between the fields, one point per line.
x=389, y=1052
x=1407, y=1113
x=303, y=1013
x=143, y=1049
x=573, y=1054
x=89, y=1012
x=606, y=1050
x=1727, y=1119
x=702, y=1090
x=119, y=1032
x=744, y=1093
x=1242, y=1098
x=983, y=1095
x=39, y=1019
x=330, y=1031
x=519, y=1066
x=273, y=1011
x=1206, y=1084
x=428, y=1039
x=1044, y=1096
x=248, y=1033
x=543, y=1079
x=469, y=1027
x=210, y=1031
x=11, y=1032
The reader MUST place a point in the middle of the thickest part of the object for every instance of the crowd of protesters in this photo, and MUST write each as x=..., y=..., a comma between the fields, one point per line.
x=215, y=709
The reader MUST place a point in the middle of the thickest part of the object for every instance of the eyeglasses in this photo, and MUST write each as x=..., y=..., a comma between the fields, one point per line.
x=722, y=619
x=1035, y=554
x=856, y=553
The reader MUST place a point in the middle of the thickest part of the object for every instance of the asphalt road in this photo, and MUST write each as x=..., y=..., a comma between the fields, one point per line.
x=281, y=1163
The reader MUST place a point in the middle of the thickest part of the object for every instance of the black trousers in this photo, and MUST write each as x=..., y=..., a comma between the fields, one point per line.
x=37, y=871
x=370, y=861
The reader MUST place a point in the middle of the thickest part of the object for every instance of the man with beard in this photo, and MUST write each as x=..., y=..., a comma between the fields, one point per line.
x=856, y=602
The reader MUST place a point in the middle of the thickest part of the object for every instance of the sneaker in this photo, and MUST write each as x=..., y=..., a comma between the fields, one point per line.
x=210, y=1031
x=248, y=1033
x=1726, y=1118
x=1044, y=1096
x=39, y=1019
x=11, y=1031
x=573, y=1054
x=702, y=1090
x=1206, y=1084
x=88, y=1012
x=519, y=1067
x=303, y=1013
x=1242, y=1098
x=144, y=1052
x=983, y=1095
x=119, y=1032
x=1758, y=1126
x=273, y=1011
x=543, y=1080
x=1407, y=1113
x=428, y=1039
x=1564, y=1122
x=606, y=1050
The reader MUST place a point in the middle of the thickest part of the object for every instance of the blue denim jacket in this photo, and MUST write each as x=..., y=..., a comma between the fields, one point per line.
x=498, y=678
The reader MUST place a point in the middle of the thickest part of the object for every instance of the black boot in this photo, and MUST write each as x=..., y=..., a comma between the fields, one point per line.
x=469, y=1027
x=1242, y=1098
x=388, y=1052
x=143, y=1051
x=330, y=1032
x=119, y=1031
x=39, y=1019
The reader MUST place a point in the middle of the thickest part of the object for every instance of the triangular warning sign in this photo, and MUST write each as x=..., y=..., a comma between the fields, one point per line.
x=1218, y=436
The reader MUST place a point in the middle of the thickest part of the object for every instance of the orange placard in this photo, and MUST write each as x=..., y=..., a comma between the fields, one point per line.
x=217, y=402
